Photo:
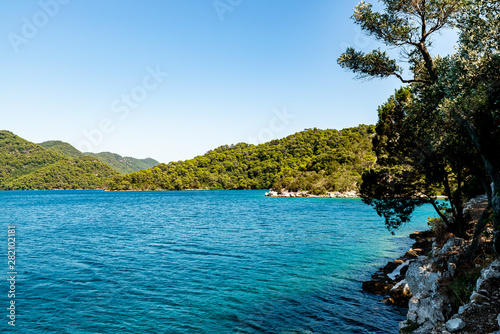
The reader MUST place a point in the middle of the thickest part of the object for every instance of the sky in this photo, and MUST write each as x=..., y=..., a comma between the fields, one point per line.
x=173, y=79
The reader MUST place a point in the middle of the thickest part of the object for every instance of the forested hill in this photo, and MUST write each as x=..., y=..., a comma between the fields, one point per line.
x=62, y=148
x=121, y=164
x=26, y=165
x=314, y=160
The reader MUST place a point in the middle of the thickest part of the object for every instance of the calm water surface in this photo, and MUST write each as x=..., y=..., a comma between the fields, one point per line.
x=196, y=262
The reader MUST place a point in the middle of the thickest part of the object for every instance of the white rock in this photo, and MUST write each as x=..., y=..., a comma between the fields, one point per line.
x=426, y=328
x=456, y=324
x=397, y=271
x=403, y=324
x=492, y=271
x=464, y=308
x=431, y=307
x=421, y=278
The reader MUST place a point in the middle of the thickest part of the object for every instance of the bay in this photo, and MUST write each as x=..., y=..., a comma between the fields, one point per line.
x=197, y=262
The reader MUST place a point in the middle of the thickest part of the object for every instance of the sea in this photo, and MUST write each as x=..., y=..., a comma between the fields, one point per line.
x=215, y=262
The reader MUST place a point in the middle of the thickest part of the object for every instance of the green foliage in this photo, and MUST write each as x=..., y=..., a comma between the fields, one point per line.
x=121, y=164
x=19, y=157
x=438, y=226
x=315, y=160
x=407, y=25
x=25, y=165
x=441, y=134
x=410, y=170
x=81, y=173
x=463, y=286
x=62, y=148
x=373, y=64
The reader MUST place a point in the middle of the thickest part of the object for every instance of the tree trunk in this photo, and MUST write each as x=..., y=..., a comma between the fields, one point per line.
x=428, y=62
x=486, y=147
x=480, y=226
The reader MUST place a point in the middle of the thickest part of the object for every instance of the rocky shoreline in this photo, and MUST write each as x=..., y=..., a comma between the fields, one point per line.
x=388, y=281
x=305, y=194
x=443, y=293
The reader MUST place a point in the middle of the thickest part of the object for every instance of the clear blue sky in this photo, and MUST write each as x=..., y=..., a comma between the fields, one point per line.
x=172, y=79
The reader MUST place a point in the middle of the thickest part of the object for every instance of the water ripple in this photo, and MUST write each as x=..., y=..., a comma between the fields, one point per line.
x=197, y=262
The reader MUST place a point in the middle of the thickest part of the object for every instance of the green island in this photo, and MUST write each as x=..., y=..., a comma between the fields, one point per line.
x=312, y=160
x=57, y=165
x=122, y=165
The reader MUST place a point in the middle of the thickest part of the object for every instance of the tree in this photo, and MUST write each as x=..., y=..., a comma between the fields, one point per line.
x=406, y=25
x=447, y=128
x=415, y=163
x=472, y=94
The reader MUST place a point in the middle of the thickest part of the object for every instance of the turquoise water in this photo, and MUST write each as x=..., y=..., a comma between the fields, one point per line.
x=196, y=262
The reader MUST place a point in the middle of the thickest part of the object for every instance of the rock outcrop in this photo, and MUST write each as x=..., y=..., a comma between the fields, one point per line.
x=335, y=194
x=429, y=302
x=432, y=282
x=440, y=288
x=390, y=280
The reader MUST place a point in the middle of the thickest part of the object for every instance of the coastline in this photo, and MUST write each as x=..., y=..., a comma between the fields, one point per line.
x=387, y=280
x=305, y=194
x=428, y=280
x=332, y=194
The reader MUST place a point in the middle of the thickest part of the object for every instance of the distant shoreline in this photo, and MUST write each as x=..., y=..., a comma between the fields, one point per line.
x=305, y=194
x=333, y=194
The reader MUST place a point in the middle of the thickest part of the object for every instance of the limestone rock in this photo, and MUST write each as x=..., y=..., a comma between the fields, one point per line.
x=492, y=271
x=456, y=324
x=403, y=324
x=421, y=278
x=431, y=307
x=463, y=308
x=427, y=304
x=426, y=328
x=451, y=245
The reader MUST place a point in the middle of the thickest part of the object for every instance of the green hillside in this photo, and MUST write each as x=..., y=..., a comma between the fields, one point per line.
x=26, y=165
x=121, y=164
x=62, y=148
x=314, y=160
x=20, y=157
x=81, y=173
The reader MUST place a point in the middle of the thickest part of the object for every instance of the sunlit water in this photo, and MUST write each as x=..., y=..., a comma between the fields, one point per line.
x=196, y=262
